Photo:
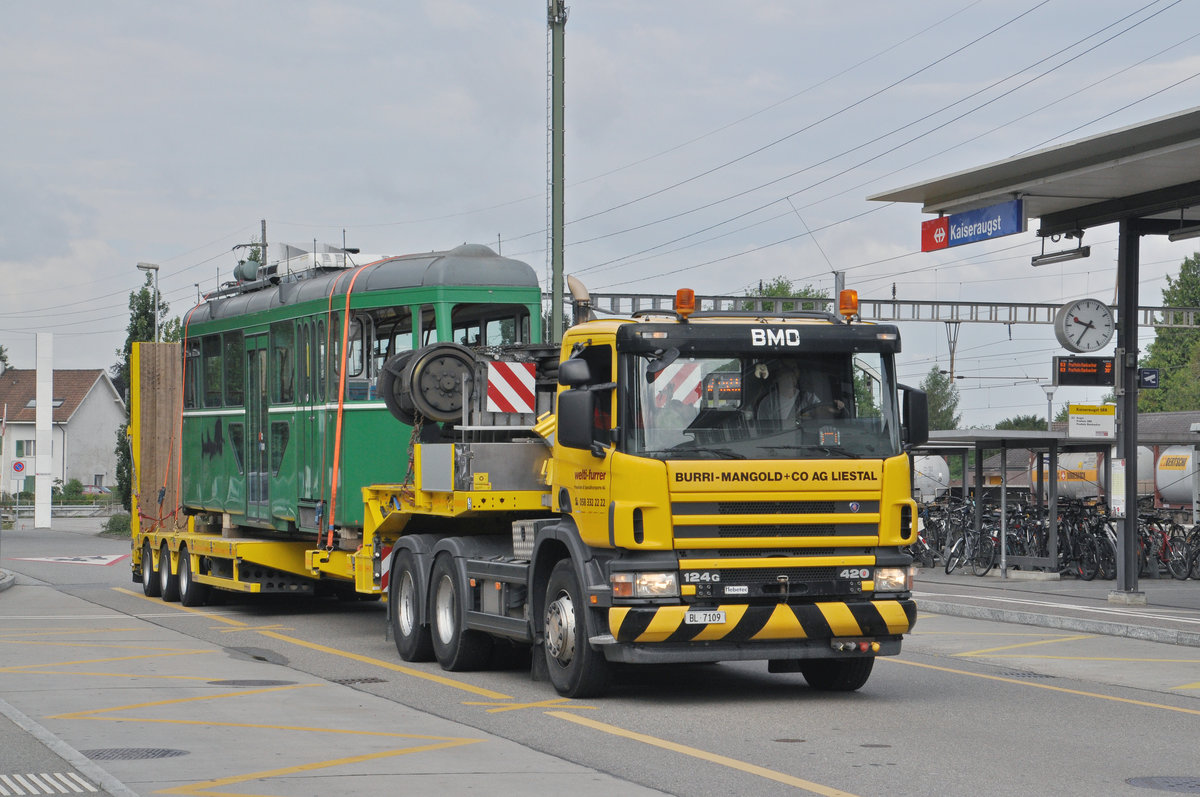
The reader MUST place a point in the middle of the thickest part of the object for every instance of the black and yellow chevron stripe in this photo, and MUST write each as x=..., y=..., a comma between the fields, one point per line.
x=762, y=623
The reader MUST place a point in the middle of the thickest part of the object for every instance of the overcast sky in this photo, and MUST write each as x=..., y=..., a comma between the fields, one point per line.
x=709, y=144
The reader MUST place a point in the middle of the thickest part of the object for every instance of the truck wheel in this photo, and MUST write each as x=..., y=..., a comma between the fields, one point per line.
x=456, y=648
x=576, y=669
x=191, y=592
x=413, y=640
x=168, y=582
x=150, y=585
x=837, y=675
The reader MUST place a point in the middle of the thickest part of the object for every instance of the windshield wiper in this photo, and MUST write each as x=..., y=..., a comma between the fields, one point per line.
x=720, y=453
x=831, y=450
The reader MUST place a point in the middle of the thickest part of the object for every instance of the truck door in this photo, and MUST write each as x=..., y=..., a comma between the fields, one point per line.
x=257, y=429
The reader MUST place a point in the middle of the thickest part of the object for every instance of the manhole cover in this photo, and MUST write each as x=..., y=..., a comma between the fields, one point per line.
x=1174, y=783
x=252, y=683
x=132, y=753
x=352, y=681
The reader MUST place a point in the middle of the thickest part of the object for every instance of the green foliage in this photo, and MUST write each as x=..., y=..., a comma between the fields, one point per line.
x=73, y=489
x=118, y=525
x=781, y=288
x=1176, y=352
x=3, y=356
x=1027, y=423
x=943, y=400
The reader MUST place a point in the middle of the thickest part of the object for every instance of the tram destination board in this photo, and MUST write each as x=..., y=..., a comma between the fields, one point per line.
x=1084, y=371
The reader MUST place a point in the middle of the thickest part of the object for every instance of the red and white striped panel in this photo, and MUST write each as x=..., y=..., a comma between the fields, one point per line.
x=679, y=381
x=510, y=387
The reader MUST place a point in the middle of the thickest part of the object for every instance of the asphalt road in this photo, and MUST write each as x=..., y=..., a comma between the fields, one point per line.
x=969, y=706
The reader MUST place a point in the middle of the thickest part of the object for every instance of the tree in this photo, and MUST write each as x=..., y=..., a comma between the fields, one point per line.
x=943, y=400
x=3, y=358
x=1176, y=352
x=140, y=328
x=1026, y=423
x=781, y=287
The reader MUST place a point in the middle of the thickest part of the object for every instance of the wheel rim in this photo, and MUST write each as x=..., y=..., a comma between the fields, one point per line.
x=406, y=612
x=444, y=609
x=147, y=565
x=560, y=629
x=164, y=570
x=185, y=572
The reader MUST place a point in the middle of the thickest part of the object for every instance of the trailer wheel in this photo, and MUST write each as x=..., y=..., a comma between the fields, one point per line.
x=413, y=640
x=150, y=585
x=191, y=592
x=837, y=675
x=168, y=582
x=576, y=669
x=455, y=647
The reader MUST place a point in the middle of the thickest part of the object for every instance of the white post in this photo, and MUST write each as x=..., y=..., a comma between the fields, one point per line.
x=43, y=467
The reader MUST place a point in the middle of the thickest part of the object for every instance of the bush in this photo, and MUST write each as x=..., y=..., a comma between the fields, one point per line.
x=119, y=525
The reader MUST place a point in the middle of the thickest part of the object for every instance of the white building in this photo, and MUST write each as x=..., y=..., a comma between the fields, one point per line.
x=87, y=413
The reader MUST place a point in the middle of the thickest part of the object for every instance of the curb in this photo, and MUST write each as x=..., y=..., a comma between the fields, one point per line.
x=7, y=579
x=1062, y=623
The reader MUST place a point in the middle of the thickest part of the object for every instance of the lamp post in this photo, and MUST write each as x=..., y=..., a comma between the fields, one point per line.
x=153, y=267
x=1049, y=405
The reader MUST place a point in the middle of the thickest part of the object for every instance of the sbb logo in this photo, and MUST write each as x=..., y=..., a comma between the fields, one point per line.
x=935, y=234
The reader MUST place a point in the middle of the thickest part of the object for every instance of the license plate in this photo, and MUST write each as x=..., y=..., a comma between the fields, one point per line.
x=704, y=618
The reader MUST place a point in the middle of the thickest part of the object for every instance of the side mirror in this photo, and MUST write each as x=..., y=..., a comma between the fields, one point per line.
x=576, y=409
x=574, y=372
x=915, y=416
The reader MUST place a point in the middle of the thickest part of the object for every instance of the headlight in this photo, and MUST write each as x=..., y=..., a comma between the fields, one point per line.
x=893, y=579
x=645, y=585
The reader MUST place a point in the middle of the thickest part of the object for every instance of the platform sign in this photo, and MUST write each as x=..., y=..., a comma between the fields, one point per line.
x=1094, y=421
x=968, y=227
x=1084, y=371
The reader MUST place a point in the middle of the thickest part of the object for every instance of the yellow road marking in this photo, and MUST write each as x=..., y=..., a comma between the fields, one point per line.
x=704, y=755
x=1028, y=644
x=1190, y=686
x=563, y=702
x=387, y=665
x=88, y=714
x=25, y=667
x=1096, y=658
x=203, y=787
x=1064, y=690
x=253, y=628
x=61, y=632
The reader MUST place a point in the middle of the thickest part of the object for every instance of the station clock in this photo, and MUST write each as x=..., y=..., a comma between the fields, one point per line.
x=1084, y=325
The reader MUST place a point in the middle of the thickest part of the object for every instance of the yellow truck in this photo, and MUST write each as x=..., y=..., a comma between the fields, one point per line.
x=676, y=486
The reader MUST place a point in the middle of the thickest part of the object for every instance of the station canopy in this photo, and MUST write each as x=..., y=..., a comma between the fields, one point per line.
x=1148, y=171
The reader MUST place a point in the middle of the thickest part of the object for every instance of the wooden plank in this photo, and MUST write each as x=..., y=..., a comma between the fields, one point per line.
x=160, y=388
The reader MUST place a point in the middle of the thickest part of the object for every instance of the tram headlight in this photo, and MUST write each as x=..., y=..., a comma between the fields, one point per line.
x=645, y=585
x=893, y=579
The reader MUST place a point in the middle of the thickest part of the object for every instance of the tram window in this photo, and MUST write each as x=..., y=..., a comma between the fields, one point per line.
x=280, y=432
x=237, y=439
x=320, y=364
x=235, y=365
x=304, y=360
x=356, y=347
x=191, y=369
x=391, y=337
x=211, y=346
x=283, y=363
x=489, y=324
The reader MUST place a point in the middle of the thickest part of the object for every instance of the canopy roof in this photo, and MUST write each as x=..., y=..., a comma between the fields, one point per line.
x=1146, y=171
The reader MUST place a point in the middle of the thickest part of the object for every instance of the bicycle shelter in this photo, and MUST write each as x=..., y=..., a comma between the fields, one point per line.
x=1146, y=179
x=959, y=443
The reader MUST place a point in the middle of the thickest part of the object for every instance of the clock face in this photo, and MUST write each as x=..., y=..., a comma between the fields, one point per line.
x=1084, y=325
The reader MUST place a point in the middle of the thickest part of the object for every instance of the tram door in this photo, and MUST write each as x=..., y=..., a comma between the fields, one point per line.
x=257, y=429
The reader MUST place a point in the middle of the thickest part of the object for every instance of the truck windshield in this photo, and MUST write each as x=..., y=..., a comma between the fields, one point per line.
x=806, y=406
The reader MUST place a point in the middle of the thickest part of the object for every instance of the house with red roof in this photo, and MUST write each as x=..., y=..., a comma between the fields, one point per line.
x=87, y=413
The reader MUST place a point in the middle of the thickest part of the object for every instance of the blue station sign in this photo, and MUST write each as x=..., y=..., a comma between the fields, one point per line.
x=970, y=226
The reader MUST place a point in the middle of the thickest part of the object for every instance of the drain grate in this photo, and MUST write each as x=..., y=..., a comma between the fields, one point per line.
x=251, y=682
x=1026, y=674
x=1185, y=784
x=353, y=681
x=132, y=753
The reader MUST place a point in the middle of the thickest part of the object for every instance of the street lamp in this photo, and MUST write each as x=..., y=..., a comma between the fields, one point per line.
x=1049, y=404
x=153, y=267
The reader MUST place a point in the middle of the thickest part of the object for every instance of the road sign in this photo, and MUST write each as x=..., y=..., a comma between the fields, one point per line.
x=994, y=221
x=1148, y=378
x=18, y=466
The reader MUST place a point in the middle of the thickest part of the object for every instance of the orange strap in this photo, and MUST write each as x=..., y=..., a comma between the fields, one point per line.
x=337, y=437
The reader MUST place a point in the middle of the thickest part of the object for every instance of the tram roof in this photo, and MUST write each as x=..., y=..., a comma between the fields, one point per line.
x=1149, y=170
x=469, y=265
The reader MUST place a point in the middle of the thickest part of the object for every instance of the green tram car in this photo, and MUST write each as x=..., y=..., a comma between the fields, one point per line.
x=267, y=410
